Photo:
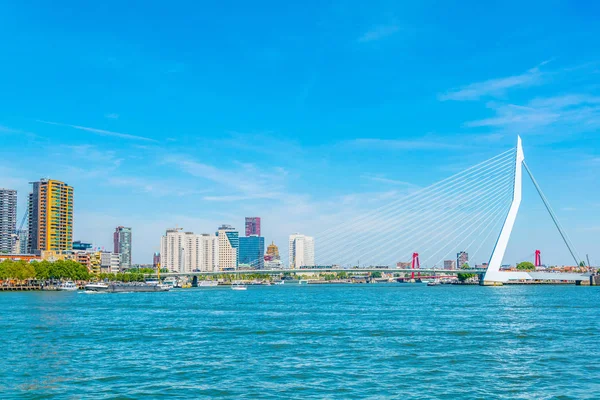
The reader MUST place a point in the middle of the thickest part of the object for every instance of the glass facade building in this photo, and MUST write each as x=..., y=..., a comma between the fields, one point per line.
x=252, y=250
x=82, y=246
x=8, y=219
x=122, y=245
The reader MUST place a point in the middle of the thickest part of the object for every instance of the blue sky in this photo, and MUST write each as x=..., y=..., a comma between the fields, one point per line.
x=196, y=114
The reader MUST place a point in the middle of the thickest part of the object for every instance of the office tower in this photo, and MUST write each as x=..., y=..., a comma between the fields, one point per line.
x=8, y=220
x=449, y=264
x=302, y=251
x=50, y=216
x=229, y=244
x=461, y=259
x=252, y=250
x=252, y=226
x=156, y=260
x=122, y=245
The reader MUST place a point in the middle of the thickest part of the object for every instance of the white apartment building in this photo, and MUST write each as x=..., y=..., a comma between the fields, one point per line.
x=229, y=244
x=302, y=251
x=187, y=252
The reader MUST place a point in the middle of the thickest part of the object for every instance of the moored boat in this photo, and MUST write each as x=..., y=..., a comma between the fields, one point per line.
x=96, y=287
x=208, y=284
x=69, y=286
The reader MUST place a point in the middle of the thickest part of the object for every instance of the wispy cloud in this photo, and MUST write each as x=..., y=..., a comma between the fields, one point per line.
x=93, y=154
x=112, y=116
x=570, y=113
x=6, y=129
x=494, y=87
x=11, y=131
x=271, y=195
x=247, y=180
x=382, y=179
x=154, y=186
x=101, y=132
x=401, y=144
x=379, y=32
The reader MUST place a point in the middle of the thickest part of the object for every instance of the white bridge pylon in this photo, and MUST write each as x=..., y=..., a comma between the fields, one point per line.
x=493, y=275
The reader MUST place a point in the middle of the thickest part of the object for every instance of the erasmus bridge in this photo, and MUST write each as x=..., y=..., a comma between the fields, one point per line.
x=474, y=210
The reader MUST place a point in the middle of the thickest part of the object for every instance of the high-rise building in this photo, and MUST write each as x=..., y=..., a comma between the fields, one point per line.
x=50, y=216
x=449, y=264
x=8, y=220
x=187, y=252
x=229, y=244
x=156, y=260
x=122, y=245
x=302, y=251
x=461, y=259
x=252, y=251
x=252, y=226
x=172, y=250
x=272, y=252
x=209, y=246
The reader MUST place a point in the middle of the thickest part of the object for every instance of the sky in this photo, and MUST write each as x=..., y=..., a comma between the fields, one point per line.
x=194, y=114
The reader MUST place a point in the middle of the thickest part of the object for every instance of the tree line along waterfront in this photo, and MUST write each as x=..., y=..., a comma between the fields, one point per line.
x=23, y=272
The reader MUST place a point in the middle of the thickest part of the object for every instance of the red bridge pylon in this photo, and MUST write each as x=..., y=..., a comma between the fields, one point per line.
x=415, y=264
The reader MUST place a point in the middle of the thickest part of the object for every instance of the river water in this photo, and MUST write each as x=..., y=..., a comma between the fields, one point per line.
x=335, y=341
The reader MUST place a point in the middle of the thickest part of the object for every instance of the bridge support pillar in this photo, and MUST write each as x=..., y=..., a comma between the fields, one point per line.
x=195, y=281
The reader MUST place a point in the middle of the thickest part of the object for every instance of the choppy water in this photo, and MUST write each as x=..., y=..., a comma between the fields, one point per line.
x=355, y=341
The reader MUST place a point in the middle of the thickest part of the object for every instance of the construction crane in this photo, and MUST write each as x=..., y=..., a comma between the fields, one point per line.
x=17, y=232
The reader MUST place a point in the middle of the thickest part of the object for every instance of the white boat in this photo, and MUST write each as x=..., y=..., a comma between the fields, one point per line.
x=279, y=283
x=96, y=287
x=302, y=282
x=237, y=286
x=208, y=283
x=68, y=286
x=170, y=282
x=434, y=282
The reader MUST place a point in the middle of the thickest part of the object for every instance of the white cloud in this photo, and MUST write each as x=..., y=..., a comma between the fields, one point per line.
x=570, y=113
x=247, y=181
x=494, y=87
x=101, y=132
x=273, y=195
x=378, y=32
x=401, y=144
x=383, y=179
x=155, y=187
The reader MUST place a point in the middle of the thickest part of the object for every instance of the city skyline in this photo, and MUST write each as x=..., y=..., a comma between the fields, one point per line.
x=306, y=133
